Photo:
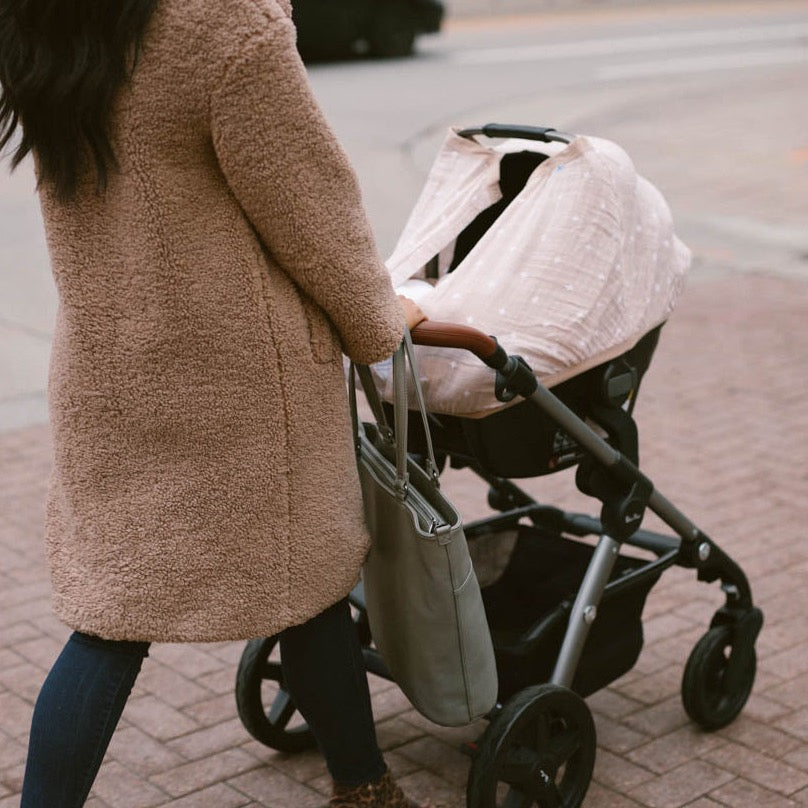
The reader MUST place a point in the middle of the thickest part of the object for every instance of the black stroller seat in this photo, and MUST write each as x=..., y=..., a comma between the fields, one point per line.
x=524, y=441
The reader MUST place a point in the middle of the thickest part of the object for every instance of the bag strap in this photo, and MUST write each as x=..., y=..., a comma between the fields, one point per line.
x=408, y=350
x=372, y=395
x=402, y=356
x=374, y=400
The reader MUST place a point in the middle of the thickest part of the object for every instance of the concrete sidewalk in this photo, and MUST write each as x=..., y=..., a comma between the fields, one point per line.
x=723, y=426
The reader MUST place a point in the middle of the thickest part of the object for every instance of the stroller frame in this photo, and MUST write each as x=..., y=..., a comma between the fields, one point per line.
x=719, y=673
x=693, y=549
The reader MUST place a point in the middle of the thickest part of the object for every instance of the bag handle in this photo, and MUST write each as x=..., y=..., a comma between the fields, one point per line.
x=405, y=354
x=375, y=402
x=408, y=350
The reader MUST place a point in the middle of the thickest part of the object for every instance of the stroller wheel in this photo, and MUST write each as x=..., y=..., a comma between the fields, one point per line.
x=259, y=682
x=718, y=678
x=538, y=751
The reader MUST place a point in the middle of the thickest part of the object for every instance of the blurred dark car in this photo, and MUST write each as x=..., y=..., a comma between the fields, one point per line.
x=328, y=29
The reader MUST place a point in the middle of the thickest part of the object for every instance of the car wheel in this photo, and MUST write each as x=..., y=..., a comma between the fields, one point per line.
x=392, y=30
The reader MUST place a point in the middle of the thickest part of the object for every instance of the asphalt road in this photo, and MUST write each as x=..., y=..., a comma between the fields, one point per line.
x=707, y=98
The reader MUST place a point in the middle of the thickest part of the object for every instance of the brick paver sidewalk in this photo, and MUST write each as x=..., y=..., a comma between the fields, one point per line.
x=723, y=425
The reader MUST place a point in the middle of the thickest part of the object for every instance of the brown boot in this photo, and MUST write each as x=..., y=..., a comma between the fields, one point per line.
x=384, y=793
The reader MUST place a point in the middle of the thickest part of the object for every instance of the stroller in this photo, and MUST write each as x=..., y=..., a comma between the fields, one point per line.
x=564, y=610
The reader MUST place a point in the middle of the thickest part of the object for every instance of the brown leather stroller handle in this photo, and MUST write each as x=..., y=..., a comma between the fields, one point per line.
x=454, y=335
x=514, y=376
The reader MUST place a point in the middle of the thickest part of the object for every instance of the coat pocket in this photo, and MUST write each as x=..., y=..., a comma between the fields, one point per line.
x=322, y=339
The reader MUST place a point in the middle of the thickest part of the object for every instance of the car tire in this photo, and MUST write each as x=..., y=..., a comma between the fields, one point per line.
x=392, y=30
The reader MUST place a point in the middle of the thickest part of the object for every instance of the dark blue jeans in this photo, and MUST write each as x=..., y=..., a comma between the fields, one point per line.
x=85, y=692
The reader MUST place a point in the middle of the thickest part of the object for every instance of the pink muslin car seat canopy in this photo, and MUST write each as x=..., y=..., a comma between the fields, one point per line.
x=578, y=267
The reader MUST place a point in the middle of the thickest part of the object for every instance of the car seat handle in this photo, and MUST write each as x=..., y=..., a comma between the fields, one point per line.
x=546, y=134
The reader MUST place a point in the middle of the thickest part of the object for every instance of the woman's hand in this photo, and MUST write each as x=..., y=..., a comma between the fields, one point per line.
x=412, y=312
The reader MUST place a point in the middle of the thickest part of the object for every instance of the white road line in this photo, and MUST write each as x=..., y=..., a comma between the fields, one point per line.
x=703, y=64
x=631, y=44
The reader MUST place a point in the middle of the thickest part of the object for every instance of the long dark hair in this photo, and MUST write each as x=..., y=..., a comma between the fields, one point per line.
x=61, y=64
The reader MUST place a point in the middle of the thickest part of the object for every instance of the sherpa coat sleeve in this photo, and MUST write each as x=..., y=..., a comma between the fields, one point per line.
x=295, y=184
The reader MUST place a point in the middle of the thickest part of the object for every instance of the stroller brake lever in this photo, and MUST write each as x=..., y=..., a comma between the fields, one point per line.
x=514, y=379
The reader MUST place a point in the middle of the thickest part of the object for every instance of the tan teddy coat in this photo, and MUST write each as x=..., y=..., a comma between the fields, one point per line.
x=204, y=484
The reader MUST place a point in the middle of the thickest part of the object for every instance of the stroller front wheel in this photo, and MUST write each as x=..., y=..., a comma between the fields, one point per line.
x=538, y=750
x=259, y=682
x=718, y=678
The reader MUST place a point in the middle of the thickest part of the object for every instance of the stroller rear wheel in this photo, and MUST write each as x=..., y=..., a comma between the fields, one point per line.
x=718, y=678
x=538, y=751
x=259, y=681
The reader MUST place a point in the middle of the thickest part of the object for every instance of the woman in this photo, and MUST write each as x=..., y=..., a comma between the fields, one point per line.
x=212, y=261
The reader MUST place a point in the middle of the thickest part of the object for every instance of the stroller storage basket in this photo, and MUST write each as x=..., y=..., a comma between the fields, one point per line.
x=528, y=609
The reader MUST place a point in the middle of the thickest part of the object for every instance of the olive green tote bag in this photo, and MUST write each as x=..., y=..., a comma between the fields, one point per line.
x=423, y=600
